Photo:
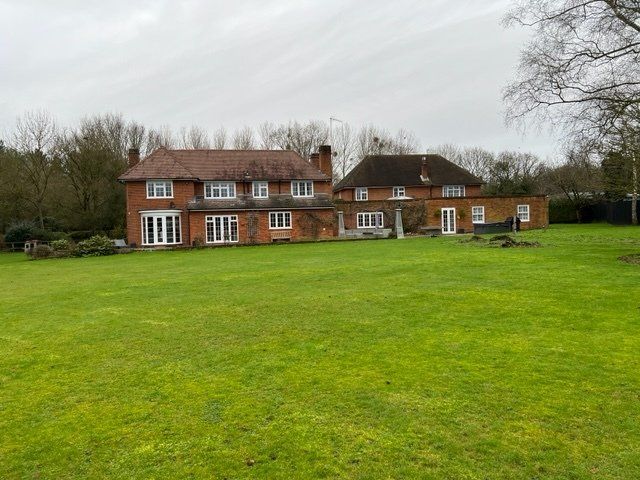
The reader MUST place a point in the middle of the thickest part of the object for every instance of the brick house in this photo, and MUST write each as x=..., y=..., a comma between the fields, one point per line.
x=213, y=197
x=433, y=190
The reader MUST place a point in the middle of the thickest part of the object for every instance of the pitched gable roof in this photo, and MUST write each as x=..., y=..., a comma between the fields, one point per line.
x=406, y=170
x=223, y=165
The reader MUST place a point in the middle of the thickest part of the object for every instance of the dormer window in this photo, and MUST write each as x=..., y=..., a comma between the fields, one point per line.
x=302, y=188
x=260, y=189
x=362, y=194
x=398, y=192
x=219, y=190
x=159, y=189
x=453, y=190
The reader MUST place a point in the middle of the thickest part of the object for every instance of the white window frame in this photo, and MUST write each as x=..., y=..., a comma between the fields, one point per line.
x=159, y=189
x=362, y=194
x=274, y=220
x=526, y=211
x=399, y=192
x=215, y=190
x=475, y=216
x=298, y=192
x=225, y=233
x=160, y=226
x=260, y=189
x=369, y=219
x=453, y=191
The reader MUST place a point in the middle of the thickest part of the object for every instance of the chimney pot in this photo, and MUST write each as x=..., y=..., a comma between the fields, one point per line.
x=134, y=157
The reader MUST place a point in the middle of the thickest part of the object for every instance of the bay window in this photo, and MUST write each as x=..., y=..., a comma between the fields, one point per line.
x=161, y=228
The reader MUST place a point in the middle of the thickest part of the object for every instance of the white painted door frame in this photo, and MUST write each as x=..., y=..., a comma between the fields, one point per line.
x=448, y=220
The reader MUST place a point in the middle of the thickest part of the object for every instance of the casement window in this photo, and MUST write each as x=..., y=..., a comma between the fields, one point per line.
x=453, y=190
x=219, y=190
x=221, y=228
x=161, y=228
x=477, y=214
x=398, y=192
x=302, y=188
x=370, y=220
x=260, y=189
x=523, y=213
x=279, y=220
x=159, y=189
x=362, y=194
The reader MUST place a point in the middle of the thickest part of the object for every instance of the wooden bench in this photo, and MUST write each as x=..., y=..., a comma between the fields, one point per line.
x=280, y=235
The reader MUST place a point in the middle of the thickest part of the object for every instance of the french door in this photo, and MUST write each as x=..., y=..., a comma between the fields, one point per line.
x=160, y=229
x=448, y=220
x=222, y=228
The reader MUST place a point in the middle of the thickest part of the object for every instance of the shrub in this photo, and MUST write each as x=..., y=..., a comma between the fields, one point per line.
x=61, y=245
x=41, y=251
x=20, y=232
x=23, y=231
x=96, y=246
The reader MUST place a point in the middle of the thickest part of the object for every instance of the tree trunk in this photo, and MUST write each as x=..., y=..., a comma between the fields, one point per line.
x=634, y=193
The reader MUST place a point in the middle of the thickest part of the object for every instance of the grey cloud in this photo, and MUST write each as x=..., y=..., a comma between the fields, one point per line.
x=436, y=68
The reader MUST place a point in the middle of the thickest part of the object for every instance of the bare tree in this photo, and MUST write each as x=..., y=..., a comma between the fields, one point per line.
x=220, y=139
x=268, y=135
x=578, y=178
x=243, y=139
x=476, y=160
x=514, y=173
x=34, y=138
x=156, y=138
x=582, y=67
x=194, y=138
x=345, y=149
x=374, y=140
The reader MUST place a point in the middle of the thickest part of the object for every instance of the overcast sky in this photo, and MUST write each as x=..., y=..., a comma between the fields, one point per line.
x=435, y=67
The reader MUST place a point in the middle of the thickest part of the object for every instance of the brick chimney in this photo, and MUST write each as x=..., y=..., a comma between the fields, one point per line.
x=325, y=160
x=426, y=169
x=314, y=160
x=134, y=157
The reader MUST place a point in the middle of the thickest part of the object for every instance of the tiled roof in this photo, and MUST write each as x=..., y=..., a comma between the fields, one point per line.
x=405, y=170
x=247, y=202
x=235, y=165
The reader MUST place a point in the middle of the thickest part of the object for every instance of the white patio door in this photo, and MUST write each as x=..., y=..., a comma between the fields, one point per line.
x=448, y=220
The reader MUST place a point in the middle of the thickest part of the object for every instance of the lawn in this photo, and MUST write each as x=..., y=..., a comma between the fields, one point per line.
x=415, y=358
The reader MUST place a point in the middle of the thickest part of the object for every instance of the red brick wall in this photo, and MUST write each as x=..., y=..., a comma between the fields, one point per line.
x=417, y=192
x=183, y=191
x=137, y=200
x=306, y=225
x=495, y=209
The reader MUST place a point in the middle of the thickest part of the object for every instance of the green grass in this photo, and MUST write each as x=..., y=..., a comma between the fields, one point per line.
x=415, y=358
